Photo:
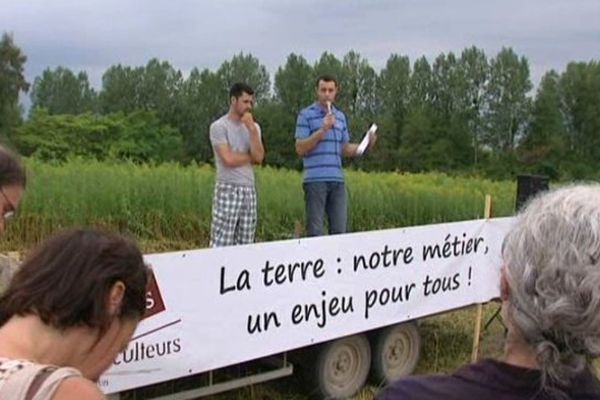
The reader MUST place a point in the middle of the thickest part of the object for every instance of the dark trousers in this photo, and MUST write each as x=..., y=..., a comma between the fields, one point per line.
x=322, y=198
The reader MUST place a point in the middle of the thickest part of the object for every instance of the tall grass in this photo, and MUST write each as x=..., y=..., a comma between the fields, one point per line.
x=168, y=206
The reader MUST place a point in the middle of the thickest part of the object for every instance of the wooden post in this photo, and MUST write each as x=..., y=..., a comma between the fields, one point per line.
x=479, y=316
x=297, y=229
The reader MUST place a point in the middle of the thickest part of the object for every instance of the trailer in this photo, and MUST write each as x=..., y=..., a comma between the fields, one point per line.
x=345, y=307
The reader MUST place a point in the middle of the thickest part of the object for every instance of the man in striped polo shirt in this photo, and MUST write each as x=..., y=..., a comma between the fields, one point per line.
x=322, y=139
x=237, y=144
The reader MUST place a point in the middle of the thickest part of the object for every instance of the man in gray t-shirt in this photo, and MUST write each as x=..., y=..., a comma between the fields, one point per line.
x=237, y=144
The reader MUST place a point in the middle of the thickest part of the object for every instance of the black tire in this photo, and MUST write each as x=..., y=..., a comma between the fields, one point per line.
x=342, y=367
x=396, y=352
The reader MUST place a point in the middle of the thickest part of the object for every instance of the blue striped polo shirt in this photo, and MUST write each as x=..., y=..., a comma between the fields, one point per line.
x=324, y=162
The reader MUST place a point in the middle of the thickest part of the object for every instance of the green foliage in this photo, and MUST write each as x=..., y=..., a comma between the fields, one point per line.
x=277, y=128
x=508, y=106
x=580, y=88
x=417, y=136
x=393, y=88
x=188, y=105
x=201, y=100
x=12, y=83
x=453, y=113
x=169, y=206
x=120, y=89
x=359, y=79
x=139, y=136
x=246, y=68
x=60, y=91
x=153, y=87
x=329, y=64
x=294, y=84
x=545, y=144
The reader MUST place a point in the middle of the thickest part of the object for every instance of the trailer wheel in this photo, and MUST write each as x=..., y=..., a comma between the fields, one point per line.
x=396, y=351
x=342, y=367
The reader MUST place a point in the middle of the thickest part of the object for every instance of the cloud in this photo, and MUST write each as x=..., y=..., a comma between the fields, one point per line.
x=94, y=34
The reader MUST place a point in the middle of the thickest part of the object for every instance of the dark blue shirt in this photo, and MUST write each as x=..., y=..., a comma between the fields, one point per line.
x=486, y=380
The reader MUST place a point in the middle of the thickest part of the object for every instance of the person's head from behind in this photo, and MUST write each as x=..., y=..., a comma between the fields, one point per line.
x=326, y=87
x=12, y=185
x=241, y=98
x=551, y=282
x=85, y=283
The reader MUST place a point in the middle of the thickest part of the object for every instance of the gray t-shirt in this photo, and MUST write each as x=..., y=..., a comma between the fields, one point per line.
x=234, y=133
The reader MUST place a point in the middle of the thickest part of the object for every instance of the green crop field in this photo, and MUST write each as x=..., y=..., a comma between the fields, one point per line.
x=168, y=206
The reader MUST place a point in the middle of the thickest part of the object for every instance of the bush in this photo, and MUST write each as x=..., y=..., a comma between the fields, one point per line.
x=138, y=136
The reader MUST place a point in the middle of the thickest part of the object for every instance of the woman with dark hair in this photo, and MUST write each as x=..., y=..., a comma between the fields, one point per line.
x=70, y=309
x=12, y=185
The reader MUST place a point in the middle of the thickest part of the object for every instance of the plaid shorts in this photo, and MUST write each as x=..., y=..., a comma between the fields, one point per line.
x=233, y=215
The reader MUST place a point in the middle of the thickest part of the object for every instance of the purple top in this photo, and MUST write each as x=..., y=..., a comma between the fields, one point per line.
x=486, y=380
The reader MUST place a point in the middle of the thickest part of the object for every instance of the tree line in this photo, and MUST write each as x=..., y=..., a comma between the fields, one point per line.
x=463, y=113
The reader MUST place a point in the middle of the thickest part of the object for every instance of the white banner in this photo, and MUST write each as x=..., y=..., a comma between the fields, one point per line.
x=212, y=308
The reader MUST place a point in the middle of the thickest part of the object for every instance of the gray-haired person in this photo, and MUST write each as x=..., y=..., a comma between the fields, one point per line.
x=550, y=292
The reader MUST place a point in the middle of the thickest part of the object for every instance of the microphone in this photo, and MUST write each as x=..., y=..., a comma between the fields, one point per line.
x=329, y=107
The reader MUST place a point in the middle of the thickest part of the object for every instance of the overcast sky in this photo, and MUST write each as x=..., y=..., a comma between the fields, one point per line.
x=92, y=35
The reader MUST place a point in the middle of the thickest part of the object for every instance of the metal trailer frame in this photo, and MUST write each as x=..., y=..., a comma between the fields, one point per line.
x=280, y=367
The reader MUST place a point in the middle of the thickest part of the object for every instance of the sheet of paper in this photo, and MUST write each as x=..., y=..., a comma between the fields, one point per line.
x=365, y=142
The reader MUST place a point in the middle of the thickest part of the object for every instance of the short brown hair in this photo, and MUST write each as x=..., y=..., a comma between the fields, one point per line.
x=67, y=279
x=326, y=78
x=12, y=171
x=239, y=88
